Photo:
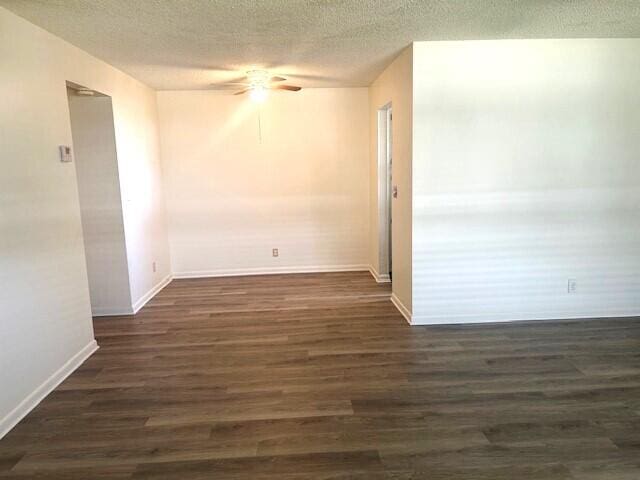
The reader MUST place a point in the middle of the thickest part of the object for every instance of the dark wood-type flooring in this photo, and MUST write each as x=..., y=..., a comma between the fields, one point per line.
x=317, y=376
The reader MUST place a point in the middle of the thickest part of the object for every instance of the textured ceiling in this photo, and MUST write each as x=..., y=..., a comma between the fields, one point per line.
x=188, y=44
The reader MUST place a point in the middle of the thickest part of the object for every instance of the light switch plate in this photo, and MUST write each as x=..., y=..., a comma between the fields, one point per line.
x=65, y=153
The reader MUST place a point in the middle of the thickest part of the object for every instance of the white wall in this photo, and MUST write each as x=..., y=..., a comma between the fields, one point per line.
x=526, y=173
x=44, y=298
x=94, y=149
x=301, y=188
x=146, y=232
x=394, y=86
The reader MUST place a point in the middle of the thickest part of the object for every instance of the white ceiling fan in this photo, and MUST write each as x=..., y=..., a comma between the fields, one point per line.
x=257, y=83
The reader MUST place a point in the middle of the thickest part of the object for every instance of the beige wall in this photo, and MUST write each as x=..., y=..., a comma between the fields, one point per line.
x=526, y=174
x=237, y=187
x=395, y=86
x=44, y=299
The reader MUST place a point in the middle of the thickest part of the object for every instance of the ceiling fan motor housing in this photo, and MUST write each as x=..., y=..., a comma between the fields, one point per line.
x=258, y=78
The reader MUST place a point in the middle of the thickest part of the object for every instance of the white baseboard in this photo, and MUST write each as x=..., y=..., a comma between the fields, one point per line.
x=516, y=317
x=406, y=313
x=379, y=278
x=151, y=293
x=271, y=271
x=35, y=397
x=110, y=312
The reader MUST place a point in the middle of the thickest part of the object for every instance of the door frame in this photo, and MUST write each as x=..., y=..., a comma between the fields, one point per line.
x=385, y=175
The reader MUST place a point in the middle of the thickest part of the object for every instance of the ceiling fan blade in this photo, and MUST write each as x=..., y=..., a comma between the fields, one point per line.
x=277, y=79
x=242, y=91
x=227, y=86
x=291, y=88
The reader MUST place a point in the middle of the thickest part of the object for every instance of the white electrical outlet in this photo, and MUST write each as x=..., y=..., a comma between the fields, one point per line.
x=572, y=285
x=274, y=252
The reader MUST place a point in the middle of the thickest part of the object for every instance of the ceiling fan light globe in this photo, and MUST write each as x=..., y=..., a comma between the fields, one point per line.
x=258, y=94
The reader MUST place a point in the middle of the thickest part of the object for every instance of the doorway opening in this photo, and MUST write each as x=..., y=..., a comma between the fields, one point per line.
x=96, y=165
x=385, y=193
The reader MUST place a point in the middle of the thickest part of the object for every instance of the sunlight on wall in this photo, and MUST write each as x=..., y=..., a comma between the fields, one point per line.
x=242, y=179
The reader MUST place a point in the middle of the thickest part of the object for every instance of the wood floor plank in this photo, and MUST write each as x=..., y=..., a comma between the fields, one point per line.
x=317, y=376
